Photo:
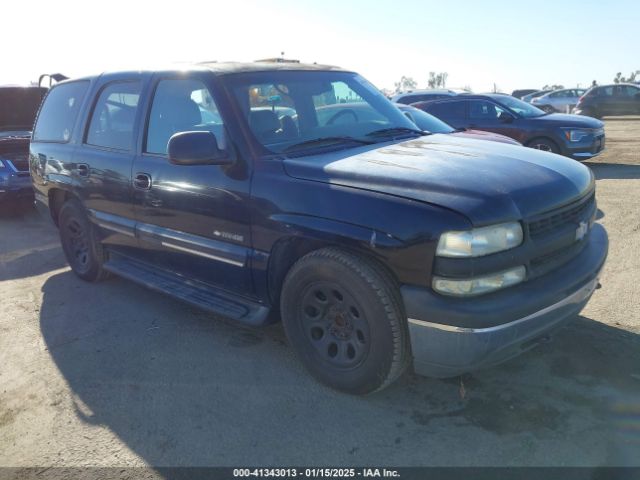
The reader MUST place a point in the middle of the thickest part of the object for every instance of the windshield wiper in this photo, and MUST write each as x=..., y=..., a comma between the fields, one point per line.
x=383, y=132
x=328, y=141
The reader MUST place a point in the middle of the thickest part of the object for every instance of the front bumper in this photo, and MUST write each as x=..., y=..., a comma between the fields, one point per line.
x=586, y=149
x=445, y=341
x=15, y=185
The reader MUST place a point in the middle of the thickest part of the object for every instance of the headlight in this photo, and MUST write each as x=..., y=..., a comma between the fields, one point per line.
x=480, y=241
x=479, y=285
x=576, y=135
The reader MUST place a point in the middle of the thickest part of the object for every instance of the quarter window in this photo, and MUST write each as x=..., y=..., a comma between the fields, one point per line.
x=59, y=112
x=114, y=115
x=181, y=105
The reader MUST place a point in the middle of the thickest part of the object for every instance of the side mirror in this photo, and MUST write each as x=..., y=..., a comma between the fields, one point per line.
x=506, y=117
x=196, y=148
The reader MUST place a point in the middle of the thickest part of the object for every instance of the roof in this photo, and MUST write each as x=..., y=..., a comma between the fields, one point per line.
x=618, y=85
x=224, y=68
x=425, y=90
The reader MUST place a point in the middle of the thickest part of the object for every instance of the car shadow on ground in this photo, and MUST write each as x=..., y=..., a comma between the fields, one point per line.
x=179, y=387
x=614, y=171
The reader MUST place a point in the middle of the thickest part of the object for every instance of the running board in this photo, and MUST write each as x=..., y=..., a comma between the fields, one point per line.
x=192, y=292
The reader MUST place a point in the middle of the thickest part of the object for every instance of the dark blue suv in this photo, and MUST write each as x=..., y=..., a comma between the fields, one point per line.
x=228, y=186
x=574, y=136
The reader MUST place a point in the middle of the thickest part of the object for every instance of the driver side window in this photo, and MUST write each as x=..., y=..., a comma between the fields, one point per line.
x=483, y=110
x=181, y=105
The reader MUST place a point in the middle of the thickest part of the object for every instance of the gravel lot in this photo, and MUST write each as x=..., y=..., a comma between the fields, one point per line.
x=116, y=375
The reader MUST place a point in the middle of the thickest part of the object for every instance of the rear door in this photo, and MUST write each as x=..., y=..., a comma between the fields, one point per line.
x=192, y=220
x=606, y=103
x=104, y=160
x=632, y=103
x=454, y=112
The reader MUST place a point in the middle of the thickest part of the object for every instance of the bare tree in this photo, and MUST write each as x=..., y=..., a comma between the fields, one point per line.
x=553, y=87
x=630, y=79
x=405, y=83
x=437, y=80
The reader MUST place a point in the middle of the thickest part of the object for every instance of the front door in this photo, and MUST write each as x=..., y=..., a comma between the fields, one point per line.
x=486, y=115
x=192, y=220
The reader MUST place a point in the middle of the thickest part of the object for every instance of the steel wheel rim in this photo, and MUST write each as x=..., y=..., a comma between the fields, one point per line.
x=77, y=244
x=335, y=325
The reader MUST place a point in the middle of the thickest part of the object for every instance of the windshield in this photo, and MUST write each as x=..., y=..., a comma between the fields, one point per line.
x=427, y=122
x=523, y=109
x=302, y=111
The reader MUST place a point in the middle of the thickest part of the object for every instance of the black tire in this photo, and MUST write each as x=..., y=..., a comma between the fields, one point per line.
x=544, y=144
x=344, y=317
x=548, y=109
x=83, y=251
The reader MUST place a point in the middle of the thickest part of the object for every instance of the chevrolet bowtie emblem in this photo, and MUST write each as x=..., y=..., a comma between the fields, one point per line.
x=582, y=230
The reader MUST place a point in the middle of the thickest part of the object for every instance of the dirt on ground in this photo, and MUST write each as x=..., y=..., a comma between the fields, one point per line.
x=113, y=374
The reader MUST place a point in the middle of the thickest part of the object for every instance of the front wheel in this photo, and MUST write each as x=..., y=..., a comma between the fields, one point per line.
x=544, y=144
x=81, y=248
x=343, y=316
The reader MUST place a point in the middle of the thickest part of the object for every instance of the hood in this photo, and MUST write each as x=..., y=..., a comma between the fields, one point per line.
x=488, y=182
x=19, y=107
x=568, y=120
x=482, y=135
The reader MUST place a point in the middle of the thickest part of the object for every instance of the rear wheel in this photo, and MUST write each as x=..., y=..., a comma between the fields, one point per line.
x=544, y=144
x=343, y=316
x=83, y=251
x=548, y=109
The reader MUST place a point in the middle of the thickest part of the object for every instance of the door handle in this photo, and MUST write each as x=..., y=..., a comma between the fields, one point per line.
x=82, y=169
x=142, y=181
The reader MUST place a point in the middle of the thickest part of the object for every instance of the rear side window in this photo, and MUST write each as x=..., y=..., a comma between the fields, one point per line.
x=59, y=112
x=447, y=111
x=114, y=115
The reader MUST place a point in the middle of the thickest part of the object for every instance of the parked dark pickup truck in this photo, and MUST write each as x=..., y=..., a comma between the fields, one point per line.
x=376, y=244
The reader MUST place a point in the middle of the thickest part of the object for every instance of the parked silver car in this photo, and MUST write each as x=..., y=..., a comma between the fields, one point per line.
x=531, y=96
x=559, y=100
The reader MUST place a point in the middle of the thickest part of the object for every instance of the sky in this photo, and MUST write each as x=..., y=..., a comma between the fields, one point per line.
x=513, y=44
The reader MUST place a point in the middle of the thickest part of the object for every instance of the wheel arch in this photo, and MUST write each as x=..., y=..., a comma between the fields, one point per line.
x=57, y=198
x=361, y=241
x=546, y=138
